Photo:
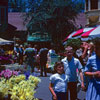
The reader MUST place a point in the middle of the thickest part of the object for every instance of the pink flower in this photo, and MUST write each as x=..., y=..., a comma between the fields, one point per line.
x=2, y=73
x=15, y=73
x=8, y=73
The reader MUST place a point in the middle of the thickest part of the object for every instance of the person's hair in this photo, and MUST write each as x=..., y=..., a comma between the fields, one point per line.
x=92, y=45
x=69, y=48
x=57, y=64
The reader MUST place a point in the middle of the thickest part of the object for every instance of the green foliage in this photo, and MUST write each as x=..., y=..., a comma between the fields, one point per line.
x=17, y=5
x=75, y=43
x=55, y=17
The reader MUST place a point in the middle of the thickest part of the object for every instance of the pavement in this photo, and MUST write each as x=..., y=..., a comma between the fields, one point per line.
x=42, y=92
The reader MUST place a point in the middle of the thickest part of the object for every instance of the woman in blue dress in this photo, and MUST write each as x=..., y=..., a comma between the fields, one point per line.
x=92, y=70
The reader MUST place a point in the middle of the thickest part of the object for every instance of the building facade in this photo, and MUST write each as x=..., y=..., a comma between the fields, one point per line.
x=92, y=11
x=3, y=14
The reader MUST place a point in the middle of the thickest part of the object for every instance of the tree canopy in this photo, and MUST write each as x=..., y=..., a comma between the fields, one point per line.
x=55, y=17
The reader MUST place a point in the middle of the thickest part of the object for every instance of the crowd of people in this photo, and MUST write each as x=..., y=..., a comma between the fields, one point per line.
x=82, y=65
x=34, y=56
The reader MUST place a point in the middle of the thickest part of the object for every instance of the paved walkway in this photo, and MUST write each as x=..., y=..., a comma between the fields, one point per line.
x=42, y=92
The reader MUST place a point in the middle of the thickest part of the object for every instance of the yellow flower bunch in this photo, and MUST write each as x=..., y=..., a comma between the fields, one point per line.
x=22, y=92
x=4, y=88
x=19, y=87
x=34, y=80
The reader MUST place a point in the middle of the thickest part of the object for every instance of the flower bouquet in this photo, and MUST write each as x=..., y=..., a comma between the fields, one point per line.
x=17, y=86
x=8, y=73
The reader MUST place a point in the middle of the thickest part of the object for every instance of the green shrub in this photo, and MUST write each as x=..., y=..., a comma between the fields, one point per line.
x=75, y=43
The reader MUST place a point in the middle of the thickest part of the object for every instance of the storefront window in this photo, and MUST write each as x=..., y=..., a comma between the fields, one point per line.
x=94, y=4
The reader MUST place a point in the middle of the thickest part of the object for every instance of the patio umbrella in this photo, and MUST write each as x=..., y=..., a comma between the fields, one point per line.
x=69, y=36
x=92, y=33
x=80, y=31
x=4, y=42
x=76, y=34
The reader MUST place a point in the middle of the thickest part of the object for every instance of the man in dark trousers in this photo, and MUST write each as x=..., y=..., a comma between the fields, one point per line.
x=43, y=60
x=71, y=64
x=30, y=56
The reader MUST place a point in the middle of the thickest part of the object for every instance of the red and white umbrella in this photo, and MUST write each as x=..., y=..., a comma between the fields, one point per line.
x=81, y=31
x=69, y=36
x=95, y=32
x=77, y=34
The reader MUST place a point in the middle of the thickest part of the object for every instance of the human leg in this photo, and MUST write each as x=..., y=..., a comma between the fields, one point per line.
x=21, y=60
x=41, y=67
x=61, y=95
x=72, y=88
x=45, y=70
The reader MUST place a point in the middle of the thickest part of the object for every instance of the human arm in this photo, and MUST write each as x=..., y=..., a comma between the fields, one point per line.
x=52, y=91
x=91, y=71
x=84, y=54
x=81, y=74
x=93, y=74
x=82, y=79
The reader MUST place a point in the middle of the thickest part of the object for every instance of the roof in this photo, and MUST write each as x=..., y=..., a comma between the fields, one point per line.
x=15, y=19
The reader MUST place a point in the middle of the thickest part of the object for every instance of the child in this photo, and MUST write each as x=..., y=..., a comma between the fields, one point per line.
x=58, y=82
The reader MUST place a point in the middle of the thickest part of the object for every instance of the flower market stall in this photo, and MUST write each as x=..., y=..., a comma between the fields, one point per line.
x=6, y=48
x=15, y=86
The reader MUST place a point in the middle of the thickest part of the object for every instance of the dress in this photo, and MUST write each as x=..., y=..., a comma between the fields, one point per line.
x=93, y=91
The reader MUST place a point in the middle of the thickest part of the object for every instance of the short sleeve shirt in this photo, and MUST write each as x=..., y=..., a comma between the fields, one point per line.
x=70, y=68
x=29, y=52
x=93, y=64
x=59, y=82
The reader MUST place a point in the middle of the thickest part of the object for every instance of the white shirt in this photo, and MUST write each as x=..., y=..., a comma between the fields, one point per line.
x=51, y=52
x=70, y=68
x=59, y=82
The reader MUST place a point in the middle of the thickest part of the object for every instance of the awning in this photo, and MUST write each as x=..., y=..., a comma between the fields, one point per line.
x=4, y=42
x=38, y=39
